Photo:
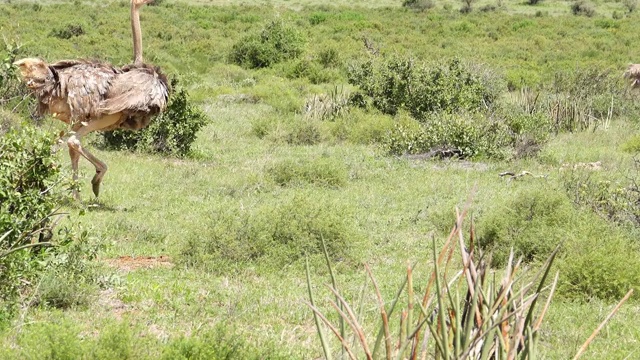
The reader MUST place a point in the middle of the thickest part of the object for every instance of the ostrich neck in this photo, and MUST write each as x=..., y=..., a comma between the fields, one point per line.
x=137, y=35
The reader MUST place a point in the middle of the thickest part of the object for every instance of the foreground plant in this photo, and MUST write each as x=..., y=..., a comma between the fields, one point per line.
x=496, y=319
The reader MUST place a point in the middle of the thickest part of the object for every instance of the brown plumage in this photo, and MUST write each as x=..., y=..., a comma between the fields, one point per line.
x=633, y=73
x=94, y=95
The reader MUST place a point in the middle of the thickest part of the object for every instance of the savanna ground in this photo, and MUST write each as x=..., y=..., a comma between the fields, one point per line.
x=206, y=251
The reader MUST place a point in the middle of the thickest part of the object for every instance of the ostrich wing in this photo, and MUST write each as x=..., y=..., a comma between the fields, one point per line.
x=137, y=90
x=84, y=85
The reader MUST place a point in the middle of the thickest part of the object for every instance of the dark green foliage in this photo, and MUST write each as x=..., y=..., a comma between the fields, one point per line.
x=404, y=83
x=276, y=42
x=68, y=31
x=28, y=173
x=29, y=193
x=171, y=133
x=583, y=8
x=419, y=4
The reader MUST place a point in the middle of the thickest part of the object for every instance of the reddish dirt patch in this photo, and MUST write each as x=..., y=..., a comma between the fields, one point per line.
x=130, y=263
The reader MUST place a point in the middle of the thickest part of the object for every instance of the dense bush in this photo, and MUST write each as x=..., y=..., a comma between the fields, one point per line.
x=29, y=192
x=583, y=8
x=276, y=42
x=596, y=259
x=403, y=83
x=172, y=132
x=419, y=4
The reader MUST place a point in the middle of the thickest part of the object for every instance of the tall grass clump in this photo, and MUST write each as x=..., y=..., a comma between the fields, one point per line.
x=276, y=42
x=467, y=310
x=173, y=132
x=322, y=171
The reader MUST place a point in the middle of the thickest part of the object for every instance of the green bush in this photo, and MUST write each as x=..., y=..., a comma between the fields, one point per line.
x=616, y=200
x=171, y=133
x=464, y=135
x=528, y=222
x=68, y=31
x=362, y=127
x=600, y=268
x=419, y=4
x=403, y=83
x=583, y=8
x=272, y=235
x=276, y=42
x=322, y=171
x=597, y=259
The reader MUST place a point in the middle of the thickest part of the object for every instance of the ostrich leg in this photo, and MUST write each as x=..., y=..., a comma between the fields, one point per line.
x=76, y=149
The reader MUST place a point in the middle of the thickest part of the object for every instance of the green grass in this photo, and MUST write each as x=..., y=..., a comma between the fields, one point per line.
x=390, y=206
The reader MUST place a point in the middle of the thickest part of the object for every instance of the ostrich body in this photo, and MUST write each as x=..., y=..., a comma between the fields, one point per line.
x=96, y=96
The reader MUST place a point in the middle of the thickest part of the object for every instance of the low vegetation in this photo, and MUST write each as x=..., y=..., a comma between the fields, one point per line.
x=341, y=135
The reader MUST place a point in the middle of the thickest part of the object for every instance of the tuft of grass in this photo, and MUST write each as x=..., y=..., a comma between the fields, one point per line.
x=322, y=171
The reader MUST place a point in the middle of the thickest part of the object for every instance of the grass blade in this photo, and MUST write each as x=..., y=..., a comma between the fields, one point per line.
x=323, y=340
x=583, y=348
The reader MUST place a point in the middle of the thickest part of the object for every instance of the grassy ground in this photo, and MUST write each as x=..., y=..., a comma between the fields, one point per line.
x=153, y=207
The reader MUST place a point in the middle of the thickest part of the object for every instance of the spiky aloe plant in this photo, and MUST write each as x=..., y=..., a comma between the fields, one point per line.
x=496, y=319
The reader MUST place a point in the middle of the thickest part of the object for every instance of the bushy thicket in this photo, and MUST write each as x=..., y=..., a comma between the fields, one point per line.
x=276, y=42
x=405, y=83
x=28, y=171
x=597, y=259
x=171, y=133
x=32, y=251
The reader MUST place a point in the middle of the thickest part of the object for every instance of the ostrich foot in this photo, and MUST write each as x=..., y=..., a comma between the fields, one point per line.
x=95, y=183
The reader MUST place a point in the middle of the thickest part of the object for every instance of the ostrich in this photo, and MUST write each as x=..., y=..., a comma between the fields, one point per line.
x=96, y=96
x=633, y=73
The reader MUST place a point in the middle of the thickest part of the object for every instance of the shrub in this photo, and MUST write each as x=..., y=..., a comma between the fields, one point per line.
x=462, y=135
x=617, y=201
x=419, y=4
x=630, y=5
x=276, y=42
x=362, y=127
x=402, y=83
x=71, y=278
x=535, y=220
x=597, y=268
x=582, y=8
x=171, y=133
x=272, y=235
x=30, y=184
x=68, y=31
x=528, y=223
x=632, y=145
